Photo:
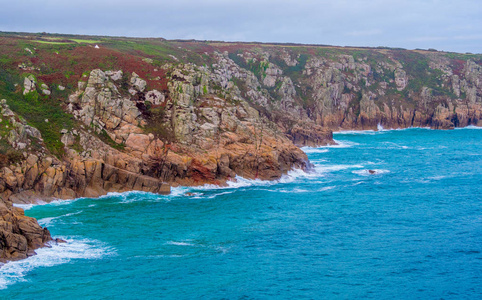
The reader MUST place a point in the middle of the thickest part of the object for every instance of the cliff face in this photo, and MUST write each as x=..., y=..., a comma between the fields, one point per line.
x=83, y=121
x=359, y=89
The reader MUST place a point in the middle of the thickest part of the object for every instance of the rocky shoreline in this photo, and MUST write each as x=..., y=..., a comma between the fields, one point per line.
x=204, y=114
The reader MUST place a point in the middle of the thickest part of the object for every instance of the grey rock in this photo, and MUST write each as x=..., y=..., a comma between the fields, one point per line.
x=29, y=84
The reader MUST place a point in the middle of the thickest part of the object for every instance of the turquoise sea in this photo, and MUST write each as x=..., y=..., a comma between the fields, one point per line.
x=413, y=230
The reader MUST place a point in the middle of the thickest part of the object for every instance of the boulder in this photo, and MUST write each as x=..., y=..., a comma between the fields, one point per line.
x=138, y=83
x=155, y=97
x=29, y=84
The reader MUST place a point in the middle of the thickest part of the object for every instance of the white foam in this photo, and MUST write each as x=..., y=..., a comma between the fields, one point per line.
x=292, y=176
x=293, y=191
x=181, y=244
x=241, y=182
x=187, y=243
x=358, y=183
x=368, y=132
x=198, y=195
x=238, y=182
x=314, y=161
x=392, y=145
x=310, y=150
x=343, y=144
x=380, y=130
x=326, y=188
x=23, y=206
x=333, y=168
x=203, y=196
x=75, y=248
x=124, y=196
x=469, y=127
x=403, y=129
x=339, y=144
x=215, y=195
x=366, y=172
x=45, y=222
x=40, y=202
x=160, y=256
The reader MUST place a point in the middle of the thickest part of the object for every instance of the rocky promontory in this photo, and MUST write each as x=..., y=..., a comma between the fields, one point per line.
x=146, y=114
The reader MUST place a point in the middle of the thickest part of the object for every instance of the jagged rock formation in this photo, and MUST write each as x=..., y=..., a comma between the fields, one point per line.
x=200, y=113
x=195, y=137
x=19, y=235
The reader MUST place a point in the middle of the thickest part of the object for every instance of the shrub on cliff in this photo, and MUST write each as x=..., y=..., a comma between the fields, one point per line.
x=14, y=156
x=3, y=161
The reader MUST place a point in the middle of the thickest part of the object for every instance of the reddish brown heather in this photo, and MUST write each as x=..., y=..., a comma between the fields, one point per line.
x=69, y=64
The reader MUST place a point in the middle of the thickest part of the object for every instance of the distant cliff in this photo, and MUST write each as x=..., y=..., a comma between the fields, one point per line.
x=143, y=114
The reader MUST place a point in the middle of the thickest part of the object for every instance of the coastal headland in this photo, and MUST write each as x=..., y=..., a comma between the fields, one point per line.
x=81, y=116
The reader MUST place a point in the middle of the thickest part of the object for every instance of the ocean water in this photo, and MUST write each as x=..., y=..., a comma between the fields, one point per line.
x=413, y=230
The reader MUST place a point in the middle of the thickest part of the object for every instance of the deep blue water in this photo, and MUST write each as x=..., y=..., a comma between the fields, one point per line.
x=411, y=231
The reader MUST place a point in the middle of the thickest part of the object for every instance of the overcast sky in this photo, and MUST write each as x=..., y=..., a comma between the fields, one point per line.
x=454, y=25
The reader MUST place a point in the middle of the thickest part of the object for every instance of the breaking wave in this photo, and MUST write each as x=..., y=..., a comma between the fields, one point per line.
x=45, y=222
x=58, y=253
x=53, y=203
x=469, y=127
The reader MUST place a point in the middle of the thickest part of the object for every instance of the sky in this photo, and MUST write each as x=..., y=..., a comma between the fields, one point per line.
x=454, y=25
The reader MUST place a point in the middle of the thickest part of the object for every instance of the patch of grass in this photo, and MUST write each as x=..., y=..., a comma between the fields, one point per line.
x=5, y=60
x=420, y=74
x=5, y=128
x=296, y=72
x=35, y=109
x=155, y=123
x=475, y=57
x=258, y=68
x=53, y=43
x=109, y=141
x=8, y=155
x=156, y=50
x=86, y=41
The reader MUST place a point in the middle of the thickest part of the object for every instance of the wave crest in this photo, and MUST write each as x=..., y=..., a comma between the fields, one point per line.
x=58, y=253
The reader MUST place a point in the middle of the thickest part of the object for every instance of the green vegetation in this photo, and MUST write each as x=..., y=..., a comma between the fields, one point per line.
x=355, y=102
x=8, y=155
x=64, y=59
x=104, y=136
x=157, y=126
x=158, y=50
x=50, y=47
x=466, y=56
x=53, y=43
x=86, y=41
x=420, y=74
x=36, y=109
x=302, y=59
x=257, y=67
x=5, y=128
x=328, y=53
x=385, y=75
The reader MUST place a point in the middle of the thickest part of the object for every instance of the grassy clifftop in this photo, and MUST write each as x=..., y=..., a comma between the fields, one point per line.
x=60, y=62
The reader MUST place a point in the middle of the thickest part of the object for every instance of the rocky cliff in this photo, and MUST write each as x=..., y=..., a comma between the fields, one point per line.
x=142, y=114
